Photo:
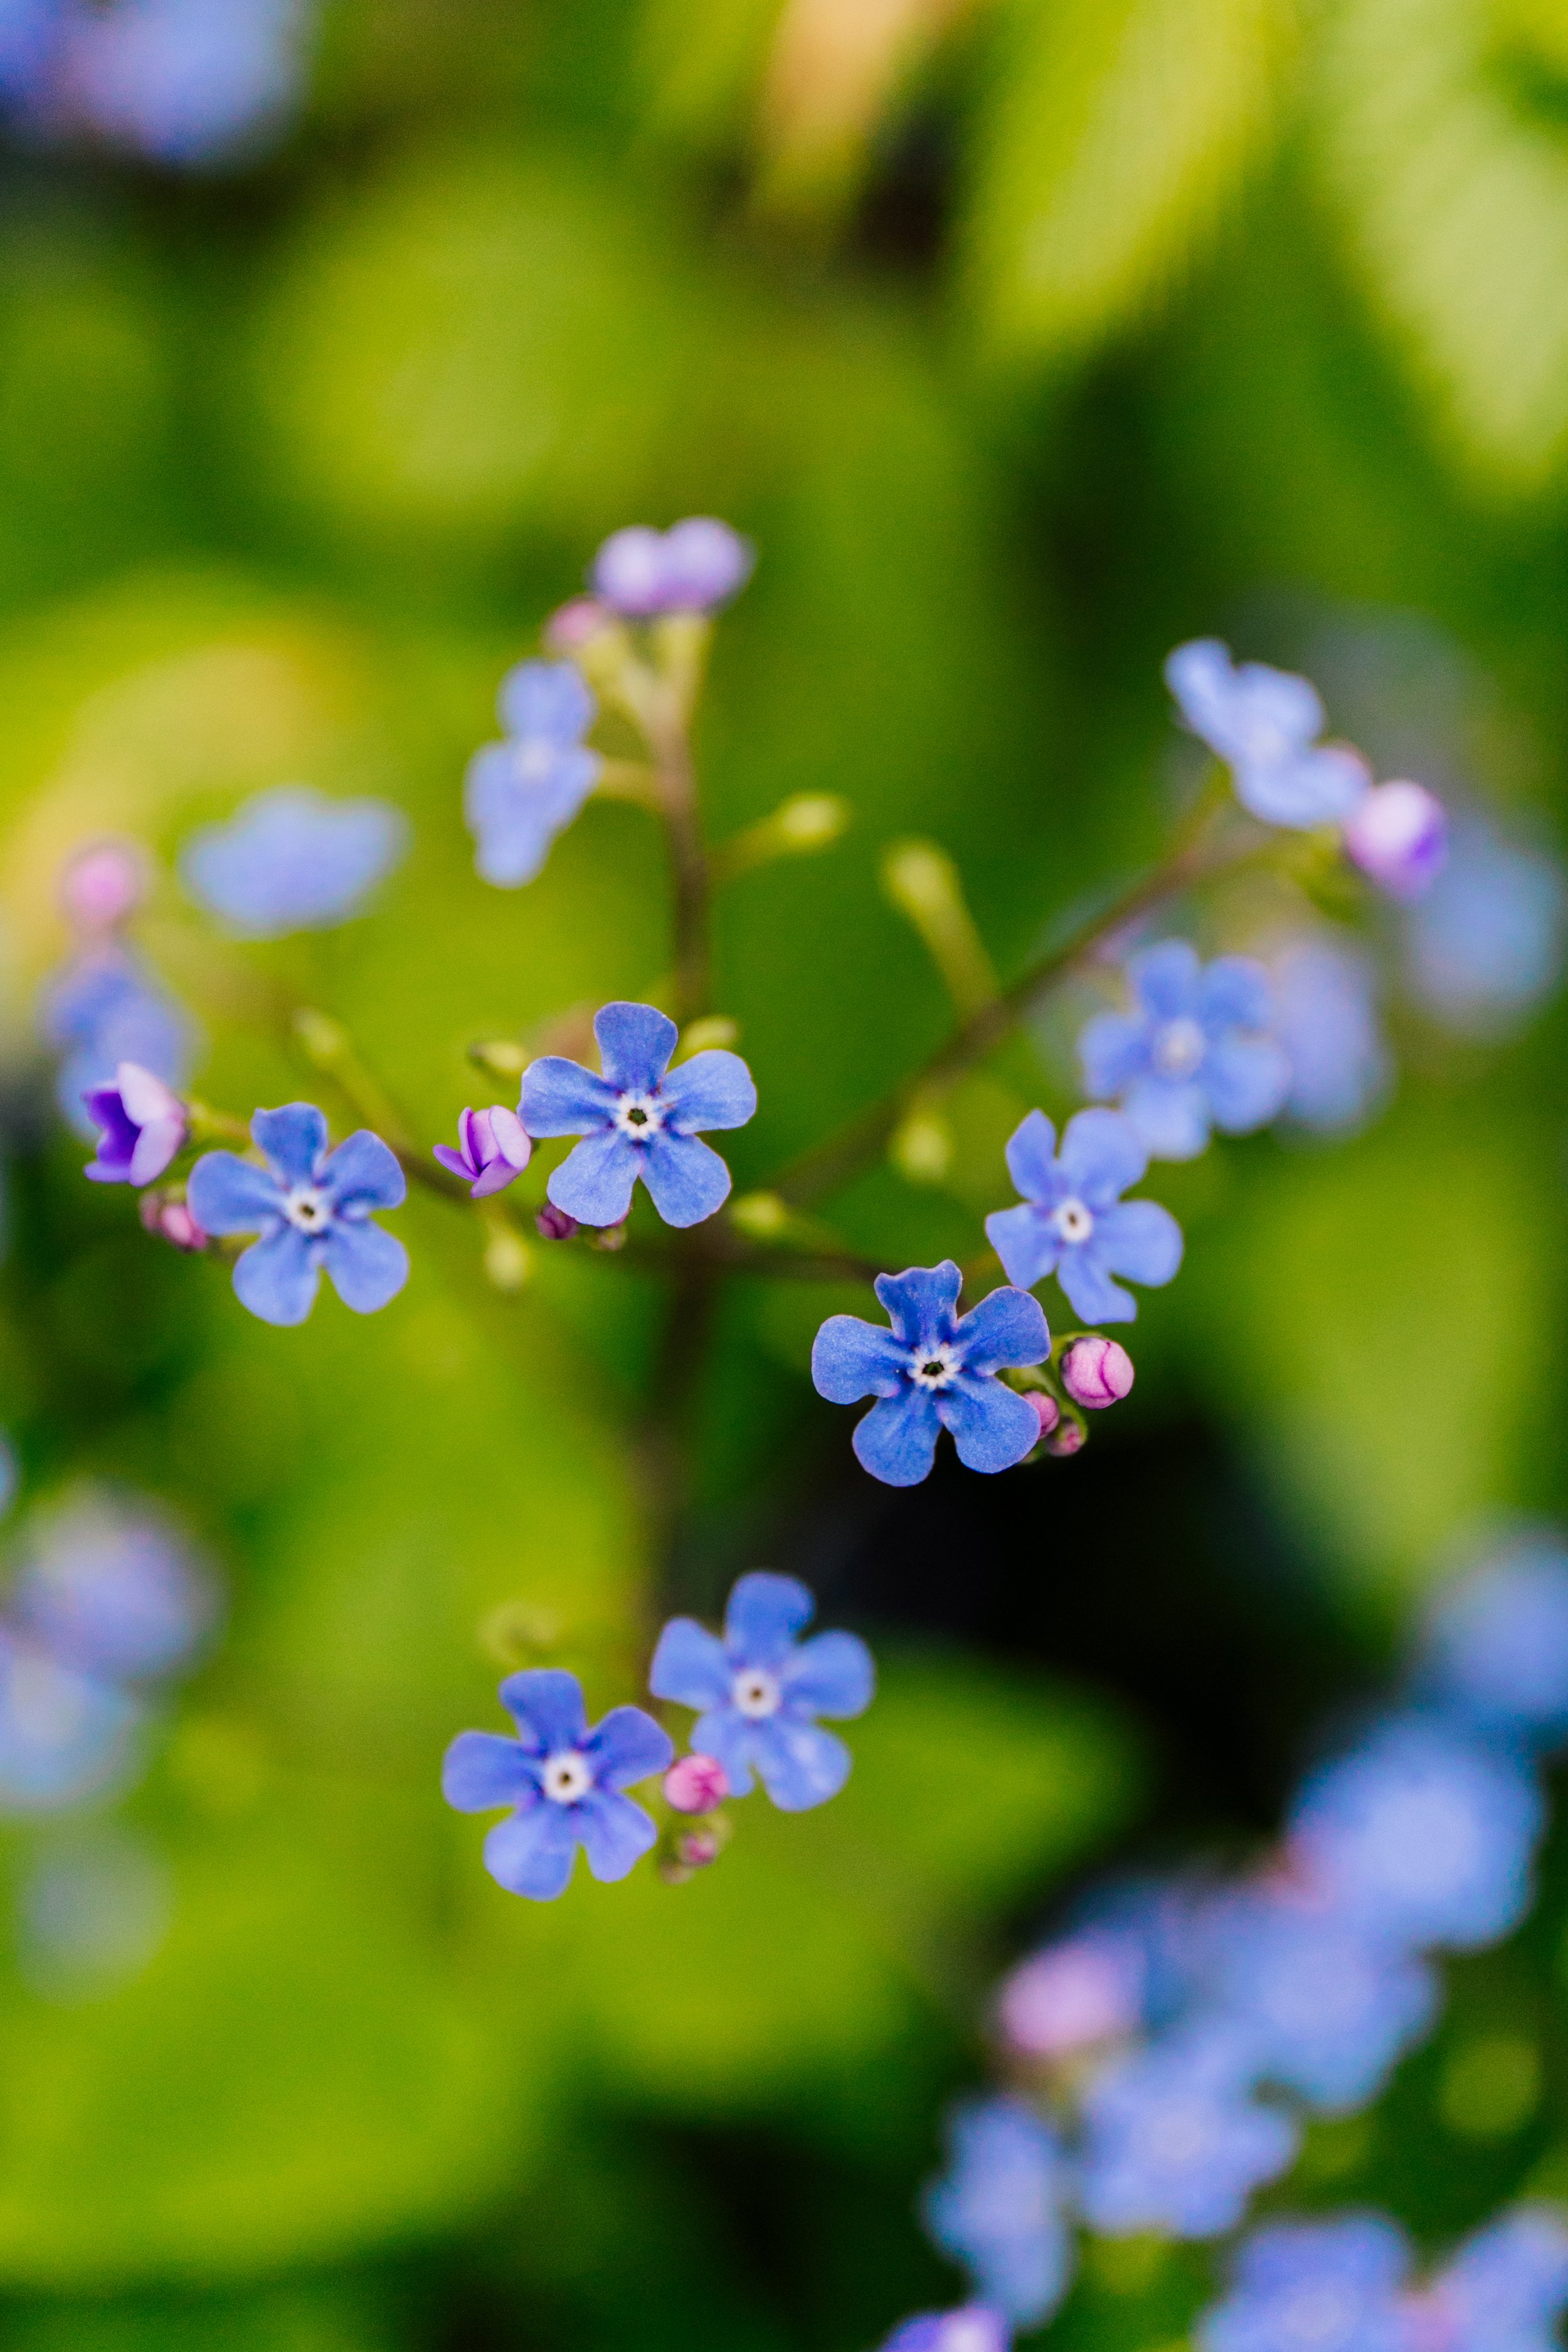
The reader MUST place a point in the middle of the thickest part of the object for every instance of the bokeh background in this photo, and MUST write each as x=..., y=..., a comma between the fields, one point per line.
x=1024, y=336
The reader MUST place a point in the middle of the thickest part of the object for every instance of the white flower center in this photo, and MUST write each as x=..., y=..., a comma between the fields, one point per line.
x=1179, y=1049
x=933, y=1367
x=534, y=758
x=639, y=1116
x=756, y=1693
x=1074, y=1221
x=566, y=1777
x=307, y=1207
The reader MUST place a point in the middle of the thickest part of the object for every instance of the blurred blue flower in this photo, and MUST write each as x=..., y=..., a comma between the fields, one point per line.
x=93, y=1910
x=1507, y=2288
x=518, y=795
x=691, y=568
x=64, y=1735
x=934, y=1370
x=293, y=860
x=1174, y=2139
x=1420, y=1835
x=109, y=1588
x=188, y=82
x=1073, y=1993
x=1263, y=723
x=973, y=2329
x=1194, y=1054
x=999, y=2209
x=1326, y=1018
x=1314, y=2286
x=312, y=1209
x=1494, y=1649
x=141, y=1126
x=29, y=40
x=102, y=1009
x=1073, y=1222
x=1486, y=941
x=1323, y=2006
x=641, y=1120
x=561, y=1782
x=759, y=1690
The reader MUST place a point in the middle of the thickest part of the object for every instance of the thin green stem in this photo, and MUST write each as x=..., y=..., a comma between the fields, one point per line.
x=688, y=865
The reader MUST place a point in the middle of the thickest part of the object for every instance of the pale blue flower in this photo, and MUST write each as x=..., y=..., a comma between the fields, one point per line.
x=104, y=1009
x=293, y=860
x=65, y=1735
x=972, y=2328
x=1486, y=942
x=1494, y=1649
x=1507, y=2288
x=999, y=2209
x=696, y=565
x=1314, y=2286
x=519, y=794
x=1073, y=1222
x=312, y=1209
x=1176, y=2139
x=188, y=82
x=1326, y=1018
x=1195, y=1052
x=109, y=1588
x=1265, y=724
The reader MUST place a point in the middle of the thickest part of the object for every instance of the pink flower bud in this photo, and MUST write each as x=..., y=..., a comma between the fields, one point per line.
x=1095, y=1372
x=1070, y=1438
x=104, y=884
x=172, y=1221
x=697, y=1848
x=1399, y=836
x=573, y=623
x=694, y=1784
x=1046, y=1409
x=554, y=1224
x=1071, y=1996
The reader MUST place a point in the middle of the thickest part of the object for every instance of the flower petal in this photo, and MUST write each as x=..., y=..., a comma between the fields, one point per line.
x=1170, y=1115
x=851, y=1359
x=833, y=1673
x=546, y=1705
x=594, y=1182
x=764, y=1615
x=1236, y=992
x=992, y=1426
x=510, y=1136
x=690, y=1665
x=147, y=1100
x=278, y=1276
x=1008, y=1327
x=549, y=700
x=713, y=1089
x=896, y=1442
x=1165, y=979
x=615, y=1832
x=1101, y=1156
x=156, y=1145
x=1090, y=1293
x=687, y=1181
x=627, y=1745
x=363, y=1172
x=231, y=1195
x=1311, y=788
x=636, y=1042
x=367, y=1265
x=1026, y=1242
x=1247, y=1079
x=560, y=1098
x=725, y=1734
x=1110, y=1052
x=482, y=1770
x=293, y=1139
x=799, y=1764
x=1031, y=1159
x=919, y=1302
x=1141, y=1240
x=532, y=1851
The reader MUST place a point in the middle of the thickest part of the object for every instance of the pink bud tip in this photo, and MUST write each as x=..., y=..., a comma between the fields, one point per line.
x=1070, y=1997
x=694, y=1784
x=573, y=623
x=104, y=884
x=1097, y=1372
x=1046, y=1409
x=1399, y=838
x=554, y=1224
x=1070, y=1438
x=171, y=1220
x=697, y=1848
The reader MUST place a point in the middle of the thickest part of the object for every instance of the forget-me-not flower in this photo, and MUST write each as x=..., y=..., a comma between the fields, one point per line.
x=1265, y=724
x=291, y=859
x=563, y=1784
x=518, y=795
x=640, y=1120
x=65, y=1735
x=312, y=1209
x=1085, y=1988
x=934, y=1370
x=759, y=1690
x=103, y=1009
x=141, y=1125
x=972, y=2328
x=998, y=2208
x=110, y=1589
x=1507, y=2287
x=1073, y=1222
x=1421, y=1835
x=1494, y=1650
x=1174, y=2139
x=1314, y=2286
x=188, y=82
x=1196, y=1053
x=1486, y=942
x=690, y=568
x=1326, y=1018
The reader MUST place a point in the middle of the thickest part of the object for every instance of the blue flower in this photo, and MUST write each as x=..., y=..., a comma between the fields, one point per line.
x=1195, y=1054
x=760, y=1690
x=312, y=1210
x=973, y=2329
x=1073, y=1222
x=1174, y=2140
x=102, y=1009
x=186, y=81
x=1324, y=2007
x=142, y=1127
x=934, y=1369
x=998, y=2208
x=641, y=1120
x=1265, y=724
x=64, y=1735
x=561, y=1782
x=1486, y=941
x=691, y=568
x=1326, y=1018
x=292, y=860
x=1314, y=2286
x=111, y=1590
x=1421, y=1835
x=1507, y=2288
x=1494, y=1650
x=520, y=794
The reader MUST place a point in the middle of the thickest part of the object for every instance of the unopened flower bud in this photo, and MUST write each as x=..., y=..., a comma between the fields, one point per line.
x=697, y=1848
x=554, y=1224
x=1398, y=836
x=572, y=624
x=694, y=1784
x=1071, y=1996
x=611, y=1237
x=1097, y=1372
x=763, y=1215
x=812, y=820
x=507, y=1261
x=104, y=884
x=1070, y=1438
x=922, y=1147
x=700, y=1036
x=1046, y=1409
x=172, y=1221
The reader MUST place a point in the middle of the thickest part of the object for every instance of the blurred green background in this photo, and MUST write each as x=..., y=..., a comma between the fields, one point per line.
x=1024, y=336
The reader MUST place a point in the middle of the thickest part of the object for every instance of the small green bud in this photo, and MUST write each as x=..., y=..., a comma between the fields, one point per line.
x=503, y=1057
x=713, y=1029
x=323, y=1040
x=812, y=820
x=508, y=1262
x=922, y=1147
x=763, y=1215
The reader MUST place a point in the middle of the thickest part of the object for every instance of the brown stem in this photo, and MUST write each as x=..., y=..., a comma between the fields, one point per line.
x=689, y=862
x=662, y=1449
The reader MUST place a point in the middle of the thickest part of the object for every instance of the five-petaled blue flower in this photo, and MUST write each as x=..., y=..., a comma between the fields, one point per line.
x=641, y=1120
x=1074, y=1224
x=934, y=1369
x=1494, y=1650
x=1174, y=2139
x=520, y=794
x=1265, y=724
x=562, y=1781
x=759, y=1690
x=312, y=1209
x=1507, y=2287
x=293, y=860
x=1335, y=2286
x=998, y=2208
x=1196, y=1053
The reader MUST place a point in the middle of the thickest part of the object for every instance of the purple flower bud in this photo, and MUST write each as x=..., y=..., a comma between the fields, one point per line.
x=493, y=1149
x=694, y=1784
x=554, y=1224
x=104, y=884
x=143, y=1126
x=172, y=1221
x=1071, y=1996
x=698, y=564
x=697, y=1848
x=1046, y=1409
x=1399, y=836
x=1070, y=1438
x=572, y=624
x=629, y=573
x=1097, y=1372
